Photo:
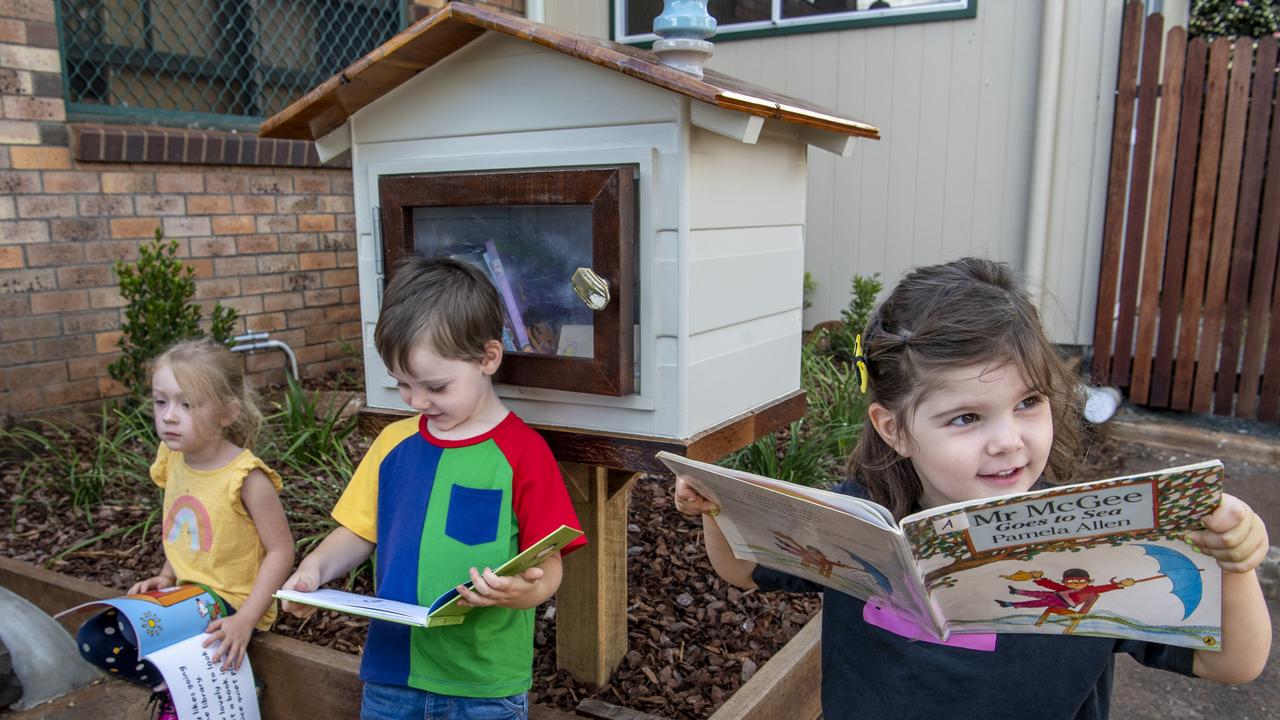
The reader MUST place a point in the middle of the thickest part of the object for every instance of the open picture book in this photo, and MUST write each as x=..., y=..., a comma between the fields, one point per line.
x=167, y=626
x=445, y=609
x=1101, y=558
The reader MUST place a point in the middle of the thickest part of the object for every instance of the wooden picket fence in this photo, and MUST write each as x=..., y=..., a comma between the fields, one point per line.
x=1188, y=295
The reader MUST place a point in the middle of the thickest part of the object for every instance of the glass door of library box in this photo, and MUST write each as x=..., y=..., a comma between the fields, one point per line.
x=558, y=244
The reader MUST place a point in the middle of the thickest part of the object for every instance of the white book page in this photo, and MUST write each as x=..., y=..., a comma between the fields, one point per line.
x=200, y=688
x=363, y=605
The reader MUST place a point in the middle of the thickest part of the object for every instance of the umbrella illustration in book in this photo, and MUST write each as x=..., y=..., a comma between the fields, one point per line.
x=882, y=587
x=1076, y=594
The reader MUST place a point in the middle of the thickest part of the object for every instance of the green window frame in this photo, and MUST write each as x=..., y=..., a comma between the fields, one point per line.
x=225, y=64
x=787, y=17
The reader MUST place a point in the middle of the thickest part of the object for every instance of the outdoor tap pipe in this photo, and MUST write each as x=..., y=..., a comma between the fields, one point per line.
x=258, y=341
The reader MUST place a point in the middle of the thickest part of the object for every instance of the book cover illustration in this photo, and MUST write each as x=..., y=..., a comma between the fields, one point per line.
x=474, y=256
x=444, y=610
x=1103, y=559
x=500, y=280
x=167, y=627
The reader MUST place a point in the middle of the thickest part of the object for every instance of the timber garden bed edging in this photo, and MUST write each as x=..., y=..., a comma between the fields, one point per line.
x=306, y=681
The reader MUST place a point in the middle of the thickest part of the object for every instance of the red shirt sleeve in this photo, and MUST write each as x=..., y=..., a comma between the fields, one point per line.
x=540, y=498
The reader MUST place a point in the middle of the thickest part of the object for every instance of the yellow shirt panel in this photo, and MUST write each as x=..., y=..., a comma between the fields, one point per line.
x=357, y=509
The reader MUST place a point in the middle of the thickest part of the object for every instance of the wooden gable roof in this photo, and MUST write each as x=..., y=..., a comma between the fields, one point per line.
x=439, y=35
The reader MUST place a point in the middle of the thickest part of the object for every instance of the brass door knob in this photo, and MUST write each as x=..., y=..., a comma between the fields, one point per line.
x=592, y=289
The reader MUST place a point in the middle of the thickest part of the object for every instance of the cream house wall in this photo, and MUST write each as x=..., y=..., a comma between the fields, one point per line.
x=957, y=103
x=585, y=17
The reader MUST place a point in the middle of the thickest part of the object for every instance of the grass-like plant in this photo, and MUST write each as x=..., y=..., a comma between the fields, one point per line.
x=87, y=462
x=308, y=445
x=83, y=465
x=306, y=436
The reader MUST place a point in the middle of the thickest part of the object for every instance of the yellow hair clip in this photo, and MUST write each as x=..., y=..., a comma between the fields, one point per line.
x=860, y=361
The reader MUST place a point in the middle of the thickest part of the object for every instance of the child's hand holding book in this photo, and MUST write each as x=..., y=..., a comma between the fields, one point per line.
x=302, y=583
x=489, y=589
x=234, y=634
x=155, y=582
x=689, y=502
x=1234, y=535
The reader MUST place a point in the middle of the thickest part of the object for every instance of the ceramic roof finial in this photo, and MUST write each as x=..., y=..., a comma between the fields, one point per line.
x=684, y=26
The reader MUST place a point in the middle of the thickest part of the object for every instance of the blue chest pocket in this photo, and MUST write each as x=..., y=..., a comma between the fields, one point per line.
x=473, y=515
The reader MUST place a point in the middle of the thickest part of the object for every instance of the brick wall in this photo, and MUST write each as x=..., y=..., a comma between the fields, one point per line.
x=268, y=231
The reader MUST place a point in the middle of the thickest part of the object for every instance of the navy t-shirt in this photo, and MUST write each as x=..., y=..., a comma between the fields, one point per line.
x=868, y=672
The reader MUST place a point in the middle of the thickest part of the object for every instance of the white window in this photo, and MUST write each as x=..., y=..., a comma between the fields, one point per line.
x=633, y=19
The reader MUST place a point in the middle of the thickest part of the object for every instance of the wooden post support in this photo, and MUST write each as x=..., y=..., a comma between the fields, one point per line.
x=591, y=605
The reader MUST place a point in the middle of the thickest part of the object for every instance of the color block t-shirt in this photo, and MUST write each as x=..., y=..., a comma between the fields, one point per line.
x=436, y=508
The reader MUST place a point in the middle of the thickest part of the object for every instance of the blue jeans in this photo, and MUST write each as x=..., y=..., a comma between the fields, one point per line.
x=393, y=702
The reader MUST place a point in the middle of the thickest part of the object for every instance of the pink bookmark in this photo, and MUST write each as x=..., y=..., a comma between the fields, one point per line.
x=879, y=614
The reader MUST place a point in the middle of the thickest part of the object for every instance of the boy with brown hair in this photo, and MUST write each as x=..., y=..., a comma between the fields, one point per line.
x=455, y=490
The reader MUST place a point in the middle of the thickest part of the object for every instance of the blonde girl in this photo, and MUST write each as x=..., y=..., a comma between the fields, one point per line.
x=206, y=420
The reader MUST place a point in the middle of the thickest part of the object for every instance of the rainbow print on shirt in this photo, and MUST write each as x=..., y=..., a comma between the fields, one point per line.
x=187, y=513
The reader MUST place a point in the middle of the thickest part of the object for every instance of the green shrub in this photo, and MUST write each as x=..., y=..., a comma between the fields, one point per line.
x=841, y=341
x=158, y=291
x=1234, y=18
x=865, y=291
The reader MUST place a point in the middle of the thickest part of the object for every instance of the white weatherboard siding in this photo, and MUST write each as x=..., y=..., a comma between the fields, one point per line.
x=956, y=103
x=585, y=17
x=745, y=259
x=1082, y=154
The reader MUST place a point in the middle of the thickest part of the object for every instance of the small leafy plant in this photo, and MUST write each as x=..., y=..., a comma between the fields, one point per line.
x=840, y=341
x=158, y=291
